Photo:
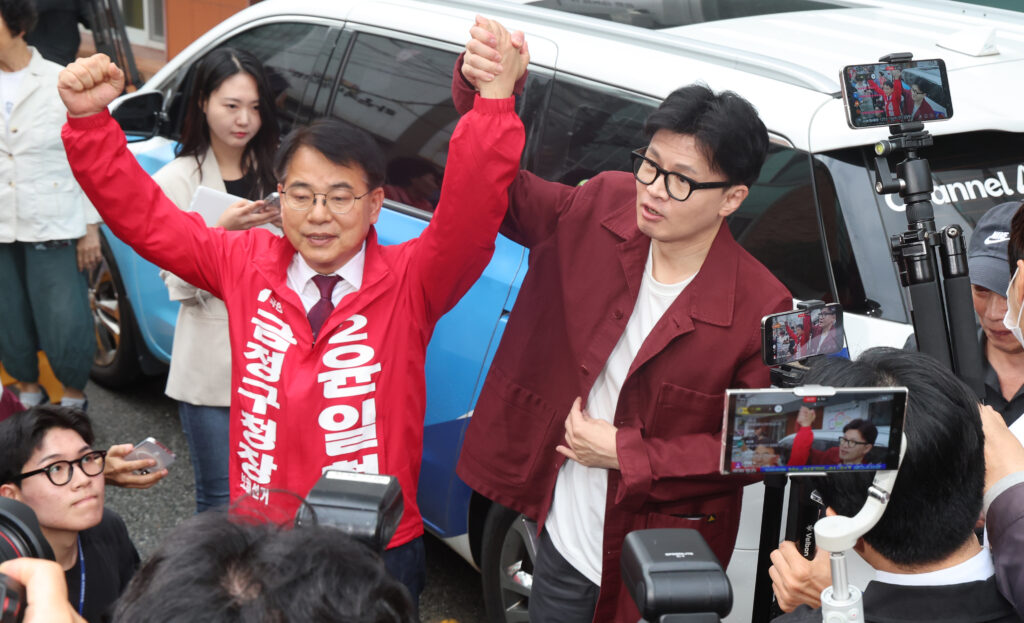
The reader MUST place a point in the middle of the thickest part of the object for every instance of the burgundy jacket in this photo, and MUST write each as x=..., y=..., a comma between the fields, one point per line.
x=587, y=258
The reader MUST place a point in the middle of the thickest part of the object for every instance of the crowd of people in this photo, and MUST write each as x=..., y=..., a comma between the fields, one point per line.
x=302, y=352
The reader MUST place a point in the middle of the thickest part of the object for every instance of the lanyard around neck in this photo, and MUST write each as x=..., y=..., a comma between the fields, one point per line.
x=81, y=586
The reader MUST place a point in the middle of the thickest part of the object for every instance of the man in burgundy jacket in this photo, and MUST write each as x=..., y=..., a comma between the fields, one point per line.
x=602, y=411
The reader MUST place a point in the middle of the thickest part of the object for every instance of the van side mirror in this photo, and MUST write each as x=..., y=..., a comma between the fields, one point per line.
x=140, y=115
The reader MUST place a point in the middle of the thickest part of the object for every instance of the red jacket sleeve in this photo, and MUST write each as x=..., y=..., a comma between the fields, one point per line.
x=135, y=208
x=801, y=446
x=483, y=158
x=534, y=203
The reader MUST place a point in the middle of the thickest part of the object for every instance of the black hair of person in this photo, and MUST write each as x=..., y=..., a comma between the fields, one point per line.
x=23, y=432
x=19, y=16
x=213, y=568
x=340, y=143
x=728, y=130
x=1015, y=248
x=937, y=497
x=258, y=155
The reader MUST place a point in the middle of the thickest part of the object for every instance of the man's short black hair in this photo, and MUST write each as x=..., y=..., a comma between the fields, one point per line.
x=938, y=493
x=866, y=429
x=727, y=129
x=23, y=432
x=340, y=143
x=211, y=569
x=19, y=16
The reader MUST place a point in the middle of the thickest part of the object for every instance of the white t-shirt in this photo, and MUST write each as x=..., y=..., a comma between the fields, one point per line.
x=10, y=82
x=576, y=520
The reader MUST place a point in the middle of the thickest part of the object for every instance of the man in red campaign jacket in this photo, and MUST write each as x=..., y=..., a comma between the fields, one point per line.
x=350, y=396
x=602, y=410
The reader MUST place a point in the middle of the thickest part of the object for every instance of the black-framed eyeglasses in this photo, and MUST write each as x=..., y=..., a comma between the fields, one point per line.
x=846, y=441
x=678, y=186
x=60, y=472
x=339, y=201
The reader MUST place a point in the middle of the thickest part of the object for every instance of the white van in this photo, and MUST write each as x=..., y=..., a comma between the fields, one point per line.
x=598, y=68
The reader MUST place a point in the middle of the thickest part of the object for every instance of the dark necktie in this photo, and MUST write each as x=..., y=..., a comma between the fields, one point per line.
x=319, y=312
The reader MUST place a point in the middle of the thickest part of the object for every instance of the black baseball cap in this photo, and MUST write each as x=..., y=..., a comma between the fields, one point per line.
x=986, y=251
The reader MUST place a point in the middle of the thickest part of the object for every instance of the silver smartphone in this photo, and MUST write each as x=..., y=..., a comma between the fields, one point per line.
x=812, y=429
x=150, y=448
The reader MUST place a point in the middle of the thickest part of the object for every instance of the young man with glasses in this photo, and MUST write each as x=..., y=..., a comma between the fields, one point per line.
x=602, y=411
x=48, y=463
x=328, y=328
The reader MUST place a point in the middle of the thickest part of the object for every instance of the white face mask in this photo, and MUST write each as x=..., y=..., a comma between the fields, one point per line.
x=1010, y=316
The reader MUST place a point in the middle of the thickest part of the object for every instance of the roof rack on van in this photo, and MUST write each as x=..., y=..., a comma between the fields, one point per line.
x=743, y=60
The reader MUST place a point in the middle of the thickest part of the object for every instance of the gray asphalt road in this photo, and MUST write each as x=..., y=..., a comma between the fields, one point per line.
x=131, y=415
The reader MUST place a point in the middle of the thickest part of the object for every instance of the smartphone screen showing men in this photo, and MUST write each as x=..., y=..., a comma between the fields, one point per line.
x=812, y=429
x=881, y=94
x=802, y=333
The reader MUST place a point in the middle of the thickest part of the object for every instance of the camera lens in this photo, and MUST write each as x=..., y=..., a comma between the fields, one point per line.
x=12, y=600
x=20, y=534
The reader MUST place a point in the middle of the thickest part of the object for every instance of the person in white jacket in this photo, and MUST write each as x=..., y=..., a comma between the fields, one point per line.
x=49, y=232
x=228, y=141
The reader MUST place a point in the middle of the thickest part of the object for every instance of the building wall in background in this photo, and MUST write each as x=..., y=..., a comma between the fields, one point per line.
x=188, y=19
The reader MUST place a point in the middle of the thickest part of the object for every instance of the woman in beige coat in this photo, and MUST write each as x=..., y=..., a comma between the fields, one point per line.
x=228, y=142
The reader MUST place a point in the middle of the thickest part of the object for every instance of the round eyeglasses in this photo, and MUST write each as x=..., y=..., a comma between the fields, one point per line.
x=339, y=201
x=678, y=186
x=60, y=472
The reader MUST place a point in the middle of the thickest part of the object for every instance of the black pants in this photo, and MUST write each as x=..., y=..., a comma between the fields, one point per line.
x=560, y=593
x=408, y=564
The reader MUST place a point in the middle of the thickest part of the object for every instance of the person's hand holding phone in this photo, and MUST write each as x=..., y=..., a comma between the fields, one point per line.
x=120, y=471
x=796, y=580
x=246, y=214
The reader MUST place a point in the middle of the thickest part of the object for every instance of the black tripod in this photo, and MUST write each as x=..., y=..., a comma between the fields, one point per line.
x=941, y=305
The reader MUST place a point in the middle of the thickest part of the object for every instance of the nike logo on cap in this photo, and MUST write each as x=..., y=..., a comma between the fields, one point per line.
x=997, y=236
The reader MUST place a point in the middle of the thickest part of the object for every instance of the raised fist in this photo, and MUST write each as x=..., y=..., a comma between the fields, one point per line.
x=88, y=85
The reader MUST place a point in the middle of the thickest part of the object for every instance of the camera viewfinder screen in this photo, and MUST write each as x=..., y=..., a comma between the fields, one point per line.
x=882, y=94
x=777, y=430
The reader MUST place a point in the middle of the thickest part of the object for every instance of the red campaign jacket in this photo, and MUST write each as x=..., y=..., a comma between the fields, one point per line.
x=355, y=398
x=804, y=454
x=587, y=259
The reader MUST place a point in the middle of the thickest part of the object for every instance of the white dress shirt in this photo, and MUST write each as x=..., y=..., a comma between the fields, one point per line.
x=300, y=279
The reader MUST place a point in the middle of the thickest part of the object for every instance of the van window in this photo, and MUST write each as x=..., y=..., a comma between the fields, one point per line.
x=970, y=174
x=288, y=51
x=778, y=224
x=400, y=92
x=589, y=128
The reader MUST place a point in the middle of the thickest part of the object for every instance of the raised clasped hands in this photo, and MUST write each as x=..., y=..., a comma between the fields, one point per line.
x=495, y=58
x=589, y=441
x=88, y=85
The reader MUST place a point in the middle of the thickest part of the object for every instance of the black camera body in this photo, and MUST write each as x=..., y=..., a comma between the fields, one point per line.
x=367, y=507
x=20, y=537
x=674, y=577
